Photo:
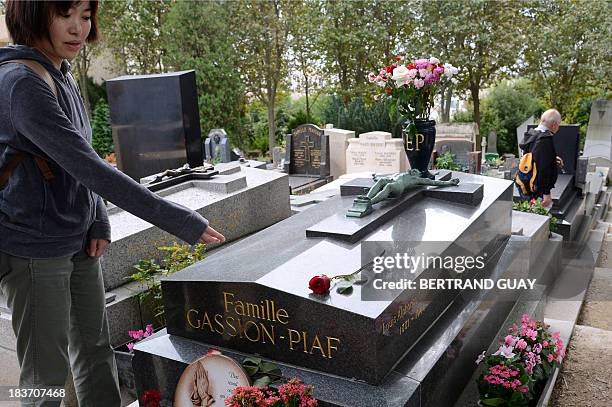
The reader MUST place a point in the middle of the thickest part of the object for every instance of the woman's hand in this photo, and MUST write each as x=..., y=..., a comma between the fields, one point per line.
x=97, y=247
x=210, y=235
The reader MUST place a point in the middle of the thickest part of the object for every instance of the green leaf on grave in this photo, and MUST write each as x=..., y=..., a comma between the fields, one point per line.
x=267, y=367
x=262, y=381
x=252, y=361
x=346, y=290
x=251, y=370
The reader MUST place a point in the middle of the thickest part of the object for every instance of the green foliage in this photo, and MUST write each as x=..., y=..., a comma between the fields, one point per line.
x=507, y=105
x=263, y=373
x=580, y=111
x=102, y=136
x=464, y=116
x=567, y=49
x=446, y=161
x=148, y=273
x=537, y=208
x=192, y=41
x=299, y=118
x=356, y=116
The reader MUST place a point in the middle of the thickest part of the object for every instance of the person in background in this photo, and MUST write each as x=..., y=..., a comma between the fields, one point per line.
x=539, y=141
x=53, y=222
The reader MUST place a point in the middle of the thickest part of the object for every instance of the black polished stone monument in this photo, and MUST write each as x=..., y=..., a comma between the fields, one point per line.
x=155, y=122
x=253, y=297
x=307, y=158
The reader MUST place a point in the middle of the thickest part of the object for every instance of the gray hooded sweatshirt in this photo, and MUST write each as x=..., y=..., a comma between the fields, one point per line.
x=54, y=218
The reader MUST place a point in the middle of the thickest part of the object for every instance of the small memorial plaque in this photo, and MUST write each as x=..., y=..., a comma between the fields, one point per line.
x=209, y=381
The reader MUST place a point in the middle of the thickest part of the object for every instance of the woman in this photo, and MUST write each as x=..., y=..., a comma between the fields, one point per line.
x=53, y=223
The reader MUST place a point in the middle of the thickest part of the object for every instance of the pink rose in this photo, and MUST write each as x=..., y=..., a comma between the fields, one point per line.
x=521, y=344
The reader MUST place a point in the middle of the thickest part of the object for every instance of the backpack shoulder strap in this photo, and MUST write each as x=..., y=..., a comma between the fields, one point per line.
x=41, y=163
x=39, y=70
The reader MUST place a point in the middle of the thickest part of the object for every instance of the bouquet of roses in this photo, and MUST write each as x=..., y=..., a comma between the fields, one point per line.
x=526, y=357
x=412, y=85
x=291, y=394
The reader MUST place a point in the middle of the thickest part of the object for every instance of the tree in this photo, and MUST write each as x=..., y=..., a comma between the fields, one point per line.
x=134, y=34
x=506, y=106
x=359, y=37
x=195, y=37
x=306, y=57
x=567, y=51
x=479, y=37
x=261, y=30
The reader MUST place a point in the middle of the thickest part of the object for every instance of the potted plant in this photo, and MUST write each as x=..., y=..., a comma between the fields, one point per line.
x=516, y=373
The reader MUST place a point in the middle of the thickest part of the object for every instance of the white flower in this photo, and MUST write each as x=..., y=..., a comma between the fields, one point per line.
x=434, y=61
x=481, y=357
x=450, y=71
x=419, y=83
x=505, y=351
x=399, y=74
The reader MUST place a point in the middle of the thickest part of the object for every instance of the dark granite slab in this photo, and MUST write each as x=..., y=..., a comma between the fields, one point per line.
x=357, y=186
x=339, y=334
x=464, y=193
x=433, y=373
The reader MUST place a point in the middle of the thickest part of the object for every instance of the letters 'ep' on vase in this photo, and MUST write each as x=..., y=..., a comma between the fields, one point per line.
x=420, y=145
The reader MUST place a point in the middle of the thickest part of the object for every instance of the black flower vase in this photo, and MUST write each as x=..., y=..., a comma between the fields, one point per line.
x=419, y=140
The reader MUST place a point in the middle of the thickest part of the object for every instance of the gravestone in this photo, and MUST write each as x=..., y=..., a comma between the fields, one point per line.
x=466, y=131
x=244, y=303
x=459, y=147
x=474, y=161
x=492, y=142
x=520, y=132
x=376, y=152
x=338, y=144
x=155, y=122
x=217, y=147
x=307, y=152
x=598, y=144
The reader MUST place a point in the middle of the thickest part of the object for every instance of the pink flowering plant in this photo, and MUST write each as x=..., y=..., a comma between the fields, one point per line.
x=412, y=85
x=139, y=335
x=291, y=394
x=516, y=372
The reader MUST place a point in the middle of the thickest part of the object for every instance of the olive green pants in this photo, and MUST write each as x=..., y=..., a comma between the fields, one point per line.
x=59, y=319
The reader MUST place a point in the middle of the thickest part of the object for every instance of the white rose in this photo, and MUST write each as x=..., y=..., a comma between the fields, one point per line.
x=434, y=61
x=399, y=74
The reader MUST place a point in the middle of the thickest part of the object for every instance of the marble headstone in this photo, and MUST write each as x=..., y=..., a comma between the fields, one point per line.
x=338, y=143
x=459, y=147
x=492, y=142
x=466, y=131
x=376, y=152
x=598, y=142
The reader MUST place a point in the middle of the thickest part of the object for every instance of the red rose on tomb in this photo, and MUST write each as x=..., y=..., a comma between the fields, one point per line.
x=319, y=284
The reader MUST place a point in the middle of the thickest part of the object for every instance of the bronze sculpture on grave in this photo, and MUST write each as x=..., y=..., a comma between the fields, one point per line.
x=391, y=187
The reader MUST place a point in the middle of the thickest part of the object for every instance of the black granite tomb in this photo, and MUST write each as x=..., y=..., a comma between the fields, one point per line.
x=155, y=122
x=252, y=298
